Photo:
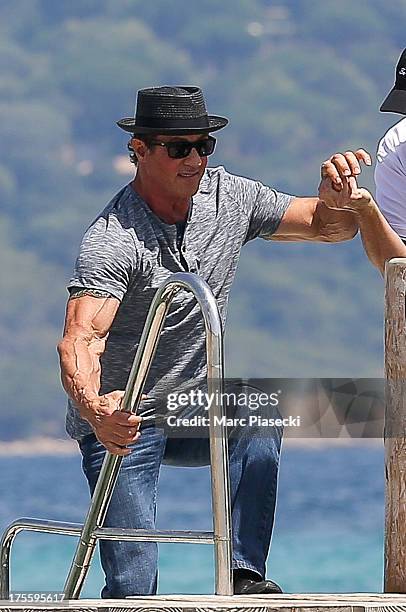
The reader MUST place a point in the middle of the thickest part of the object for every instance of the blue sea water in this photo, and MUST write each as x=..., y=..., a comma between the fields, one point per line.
x=328, y=535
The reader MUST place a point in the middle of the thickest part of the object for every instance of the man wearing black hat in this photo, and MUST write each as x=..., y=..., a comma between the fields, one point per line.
x=178, y=215
x=390, y=171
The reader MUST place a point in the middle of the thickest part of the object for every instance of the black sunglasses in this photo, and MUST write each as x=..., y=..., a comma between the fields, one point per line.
x=178, y=149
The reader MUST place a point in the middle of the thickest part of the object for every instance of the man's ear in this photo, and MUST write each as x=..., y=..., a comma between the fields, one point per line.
x=139, y=147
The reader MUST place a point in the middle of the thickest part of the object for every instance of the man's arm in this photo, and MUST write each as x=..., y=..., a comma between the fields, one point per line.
x=87, y=324
x=341, y=192
x=380, y=241
x=310, y=218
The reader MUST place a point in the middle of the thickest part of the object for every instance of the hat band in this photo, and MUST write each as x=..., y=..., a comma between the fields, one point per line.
x=161, y=122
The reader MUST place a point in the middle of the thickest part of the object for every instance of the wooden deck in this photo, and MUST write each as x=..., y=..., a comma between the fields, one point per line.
x=358, y=602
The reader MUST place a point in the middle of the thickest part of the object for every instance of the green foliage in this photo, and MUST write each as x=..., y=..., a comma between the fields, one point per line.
x=298, y=80
x=303, y=308
x=100, y=63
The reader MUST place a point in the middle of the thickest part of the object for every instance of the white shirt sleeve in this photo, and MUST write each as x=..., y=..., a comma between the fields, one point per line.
x=390, y=177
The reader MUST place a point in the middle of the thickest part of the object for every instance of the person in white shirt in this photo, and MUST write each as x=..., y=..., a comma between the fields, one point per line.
x=390, y=177
x=390, y=171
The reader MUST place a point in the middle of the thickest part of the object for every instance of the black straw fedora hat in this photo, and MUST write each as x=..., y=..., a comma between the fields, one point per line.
x=395, y=102
x=171, y=110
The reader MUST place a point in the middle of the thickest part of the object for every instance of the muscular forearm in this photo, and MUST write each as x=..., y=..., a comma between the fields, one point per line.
x=334, y=225
x=87, y=325
x=80, y=373
x=311, y=219
x=380, y=241
x=80, y=370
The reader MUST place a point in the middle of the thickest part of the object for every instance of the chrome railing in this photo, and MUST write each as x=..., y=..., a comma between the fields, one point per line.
x=93, y=529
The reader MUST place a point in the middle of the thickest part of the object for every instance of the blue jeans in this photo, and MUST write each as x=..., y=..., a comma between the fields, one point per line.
x=131, y=567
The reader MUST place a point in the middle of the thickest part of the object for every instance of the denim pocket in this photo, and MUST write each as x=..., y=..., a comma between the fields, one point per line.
x=89, y=438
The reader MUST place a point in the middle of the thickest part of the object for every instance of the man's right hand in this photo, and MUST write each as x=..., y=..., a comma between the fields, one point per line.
x=338, y=187
x=113, y=427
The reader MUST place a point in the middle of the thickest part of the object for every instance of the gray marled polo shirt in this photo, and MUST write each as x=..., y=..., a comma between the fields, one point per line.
x=129, y=251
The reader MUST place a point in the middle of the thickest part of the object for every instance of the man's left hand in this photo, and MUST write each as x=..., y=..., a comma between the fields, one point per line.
x=338, y=187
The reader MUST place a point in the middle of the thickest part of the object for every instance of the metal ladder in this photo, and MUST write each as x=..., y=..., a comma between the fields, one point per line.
x=92, y=529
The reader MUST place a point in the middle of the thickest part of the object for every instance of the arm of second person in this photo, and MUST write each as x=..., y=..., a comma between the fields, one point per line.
x=380, y=241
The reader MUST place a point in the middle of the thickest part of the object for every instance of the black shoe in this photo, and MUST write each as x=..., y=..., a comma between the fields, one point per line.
x=251, y=583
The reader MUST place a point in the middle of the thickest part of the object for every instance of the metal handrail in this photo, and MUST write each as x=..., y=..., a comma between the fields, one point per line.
x=92, y=529
x=27, y=524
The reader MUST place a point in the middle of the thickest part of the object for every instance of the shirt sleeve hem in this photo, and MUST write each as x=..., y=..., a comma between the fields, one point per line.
x=116, y=293
x=284, y=202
